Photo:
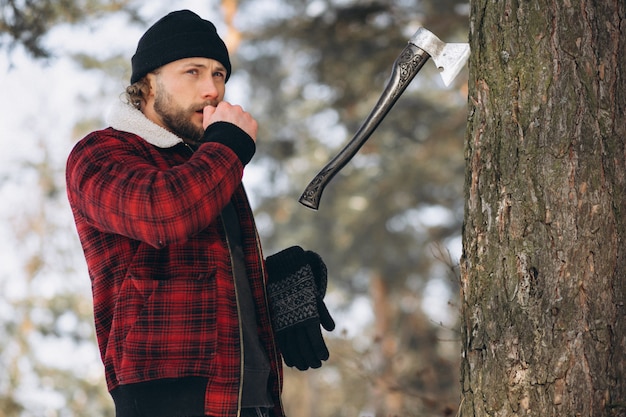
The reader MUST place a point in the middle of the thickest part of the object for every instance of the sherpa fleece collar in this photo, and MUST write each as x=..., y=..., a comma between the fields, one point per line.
x=125, y=117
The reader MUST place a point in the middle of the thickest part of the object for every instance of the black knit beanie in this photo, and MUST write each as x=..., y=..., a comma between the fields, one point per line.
x=180, y=34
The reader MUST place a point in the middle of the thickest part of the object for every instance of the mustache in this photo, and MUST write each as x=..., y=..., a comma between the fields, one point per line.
x=202, y=106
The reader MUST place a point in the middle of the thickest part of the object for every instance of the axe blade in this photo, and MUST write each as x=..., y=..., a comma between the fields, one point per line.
x=450, y=58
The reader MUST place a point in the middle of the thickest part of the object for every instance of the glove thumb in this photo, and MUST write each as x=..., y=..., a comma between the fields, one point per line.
x=320, y=273
x=326, y=320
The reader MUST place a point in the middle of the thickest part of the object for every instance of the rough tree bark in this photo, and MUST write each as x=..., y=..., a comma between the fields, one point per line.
x=544, y=262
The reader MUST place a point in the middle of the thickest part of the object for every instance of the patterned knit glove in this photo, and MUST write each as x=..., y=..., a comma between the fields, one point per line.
x=296, y=288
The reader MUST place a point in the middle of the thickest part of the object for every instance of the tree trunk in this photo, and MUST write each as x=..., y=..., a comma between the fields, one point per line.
x=544, y=262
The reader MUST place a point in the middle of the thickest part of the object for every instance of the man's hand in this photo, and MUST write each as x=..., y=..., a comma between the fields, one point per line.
x=235, y=114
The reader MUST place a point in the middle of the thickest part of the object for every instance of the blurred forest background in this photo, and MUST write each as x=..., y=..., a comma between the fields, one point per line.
x=388, y=227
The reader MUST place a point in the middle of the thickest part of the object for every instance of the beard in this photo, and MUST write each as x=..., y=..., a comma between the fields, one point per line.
x=178, y=119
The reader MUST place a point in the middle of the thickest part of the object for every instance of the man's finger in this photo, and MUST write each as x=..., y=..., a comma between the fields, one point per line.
x=207, y=114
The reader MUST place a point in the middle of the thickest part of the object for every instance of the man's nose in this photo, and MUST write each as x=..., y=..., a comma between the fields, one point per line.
x=209, y=89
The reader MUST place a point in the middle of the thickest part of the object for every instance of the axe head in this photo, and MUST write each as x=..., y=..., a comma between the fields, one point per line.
x=448, y=57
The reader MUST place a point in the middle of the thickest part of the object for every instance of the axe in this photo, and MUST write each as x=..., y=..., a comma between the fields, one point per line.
x=448, y=57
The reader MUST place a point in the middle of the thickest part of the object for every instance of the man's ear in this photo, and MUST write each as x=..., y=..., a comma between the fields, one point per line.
x=151, y=83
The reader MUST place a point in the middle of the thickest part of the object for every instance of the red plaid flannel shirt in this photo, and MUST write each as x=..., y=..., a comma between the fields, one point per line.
x=163, y=292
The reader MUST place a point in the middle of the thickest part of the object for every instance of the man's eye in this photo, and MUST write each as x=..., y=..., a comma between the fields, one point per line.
x=219, y=74
x=193, y=72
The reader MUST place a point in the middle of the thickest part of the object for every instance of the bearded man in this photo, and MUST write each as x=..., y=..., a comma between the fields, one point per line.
x=191, y=319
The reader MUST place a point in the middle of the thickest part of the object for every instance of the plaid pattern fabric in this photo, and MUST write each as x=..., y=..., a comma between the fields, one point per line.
x=163, y=292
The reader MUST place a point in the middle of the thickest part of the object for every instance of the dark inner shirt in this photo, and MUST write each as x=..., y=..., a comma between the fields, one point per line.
x=256, y=363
